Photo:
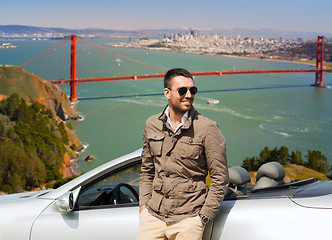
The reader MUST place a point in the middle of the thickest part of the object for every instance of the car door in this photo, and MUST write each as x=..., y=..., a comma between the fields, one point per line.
x=100, y=213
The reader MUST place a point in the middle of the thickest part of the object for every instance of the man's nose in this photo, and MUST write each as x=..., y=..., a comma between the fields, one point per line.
x=188, y=94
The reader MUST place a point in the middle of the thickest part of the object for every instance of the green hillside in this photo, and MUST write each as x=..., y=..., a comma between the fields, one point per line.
x=17, y=80
x=14, y=79
x=35, y=144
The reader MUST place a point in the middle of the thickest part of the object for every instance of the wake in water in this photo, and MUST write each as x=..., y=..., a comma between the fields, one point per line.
x=224, y=110
x=159, y=102
x=282, y=133
x=261, y=126
x=276, y=117
x=283, y=130
x=218, y=108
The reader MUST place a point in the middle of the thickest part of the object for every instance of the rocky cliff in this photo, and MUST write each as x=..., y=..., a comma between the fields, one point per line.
x=15, y=79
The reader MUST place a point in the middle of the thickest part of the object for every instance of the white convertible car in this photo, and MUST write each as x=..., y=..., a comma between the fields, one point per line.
x=103, y=204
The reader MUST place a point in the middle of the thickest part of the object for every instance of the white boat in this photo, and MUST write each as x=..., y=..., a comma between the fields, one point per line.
x=7, y=45
x=212, y=101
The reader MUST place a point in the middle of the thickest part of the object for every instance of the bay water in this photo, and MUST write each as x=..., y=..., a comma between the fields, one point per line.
x=254, y=111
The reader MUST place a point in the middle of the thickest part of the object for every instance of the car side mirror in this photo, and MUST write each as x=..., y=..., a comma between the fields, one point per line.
x=66, y=202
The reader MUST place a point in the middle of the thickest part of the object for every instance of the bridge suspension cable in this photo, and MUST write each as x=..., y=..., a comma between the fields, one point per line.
x=94, y=45
x=47, y=51
x=118, y=55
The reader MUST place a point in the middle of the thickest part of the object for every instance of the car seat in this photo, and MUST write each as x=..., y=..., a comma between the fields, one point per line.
x=268, y=175
x=238, y=177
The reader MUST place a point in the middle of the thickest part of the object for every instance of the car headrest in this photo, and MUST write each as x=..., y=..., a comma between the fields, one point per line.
x=272, y=170
x=238, y=175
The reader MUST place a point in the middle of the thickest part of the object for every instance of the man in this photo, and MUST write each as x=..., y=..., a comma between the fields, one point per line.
x=180, y=147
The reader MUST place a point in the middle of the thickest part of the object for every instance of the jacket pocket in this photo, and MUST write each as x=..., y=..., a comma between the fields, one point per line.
x=189, y=198
x=156, y=144
x=156, y=197
x=191, y=148
x=157, y=185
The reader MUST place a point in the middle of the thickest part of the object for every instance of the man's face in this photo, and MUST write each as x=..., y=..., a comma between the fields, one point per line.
x=180, y=104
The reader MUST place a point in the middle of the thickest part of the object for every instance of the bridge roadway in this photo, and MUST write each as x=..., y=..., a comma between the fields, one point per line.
x=194, y=73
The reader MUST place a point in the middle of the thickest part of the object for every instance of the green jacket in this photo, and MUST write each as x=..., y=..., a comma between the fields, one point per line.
x=174, y=168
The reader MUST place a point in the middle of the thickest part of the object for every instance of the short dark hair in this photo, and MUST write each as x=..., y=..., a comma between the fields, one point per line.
x=174, y=73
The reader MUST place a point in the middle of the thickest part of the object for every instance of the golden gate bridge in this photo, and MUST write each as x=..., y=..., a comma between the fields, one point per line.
x=159, y=71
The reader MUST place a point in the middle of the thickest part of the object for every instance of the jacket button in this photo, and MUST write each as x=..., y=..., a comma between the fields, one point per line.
x=190, y=141
x=167, y=174
x=166, y=216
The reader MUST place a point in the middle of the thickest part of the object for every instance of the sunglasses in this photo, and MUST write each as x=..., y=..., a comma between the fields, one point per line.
x=183, y=90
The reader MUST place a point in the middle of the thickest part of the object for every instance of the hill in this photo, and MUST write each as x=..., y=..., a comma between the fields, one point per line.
x=307, y=51
x=35, y=144
x=15, y=79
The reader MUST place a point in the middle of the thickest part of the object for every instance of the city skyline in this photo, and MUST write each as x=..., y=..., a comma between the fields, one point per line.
x=295, y=15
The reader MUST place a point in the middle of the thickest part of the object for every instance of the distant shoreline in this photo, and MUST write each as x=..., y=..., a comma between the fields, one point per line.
x=272, y=60
x=163, y=48
x=223, y=55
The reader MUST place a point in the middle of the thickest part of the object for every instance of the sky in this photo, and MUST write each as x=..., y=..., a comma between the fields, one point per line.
x=290, y=15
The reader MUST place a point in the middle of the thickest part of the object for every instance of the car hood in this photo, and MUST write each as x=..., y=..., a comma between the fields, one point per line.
x=22, y=196
x=315, y=195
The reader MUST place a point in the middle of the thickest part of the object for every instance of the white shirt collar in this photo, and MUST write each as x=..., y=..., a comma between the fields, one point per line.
x=183, y=119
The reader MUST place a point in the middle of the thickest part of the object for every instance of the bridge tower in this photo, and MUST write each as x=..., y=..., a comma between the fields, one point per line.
x=73, y=78
x=319, y=62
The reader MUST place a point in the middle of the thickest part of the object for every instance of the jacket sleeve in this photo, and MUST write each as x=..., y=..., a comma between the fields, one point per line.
x=147, y=172
x=215, y=152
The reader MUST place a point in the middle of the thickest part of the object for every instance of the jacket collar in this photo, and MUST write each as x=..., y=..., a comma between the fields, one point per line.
x=191, y=115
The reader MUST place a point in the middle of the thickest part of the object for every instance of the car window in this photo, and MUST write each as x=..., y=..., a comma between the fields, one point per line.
x=120, y=187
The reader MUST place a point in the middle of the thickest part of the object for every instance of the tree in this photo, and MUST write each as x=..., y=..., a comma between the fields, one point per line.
x=11, y=167
x=296, y=157
x=317, y=161
x=282, y=155
x=251, y=164
x=265, y=155
x=62, y=129
x=31, y=145
x=9, y=105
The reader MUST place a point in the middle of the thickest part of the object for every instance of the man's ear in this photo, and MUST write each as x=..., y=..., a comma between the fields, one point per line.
x=167, y=93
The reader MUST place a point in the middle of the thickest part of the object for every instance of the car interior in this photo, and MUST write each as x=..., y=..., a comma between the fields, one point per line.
x=269, y=178
x=119, y=187
x=122, y=186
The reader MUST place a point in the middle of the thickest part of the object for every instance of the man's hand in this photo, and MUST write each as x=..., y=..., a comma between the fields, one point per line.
x=142, y=208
